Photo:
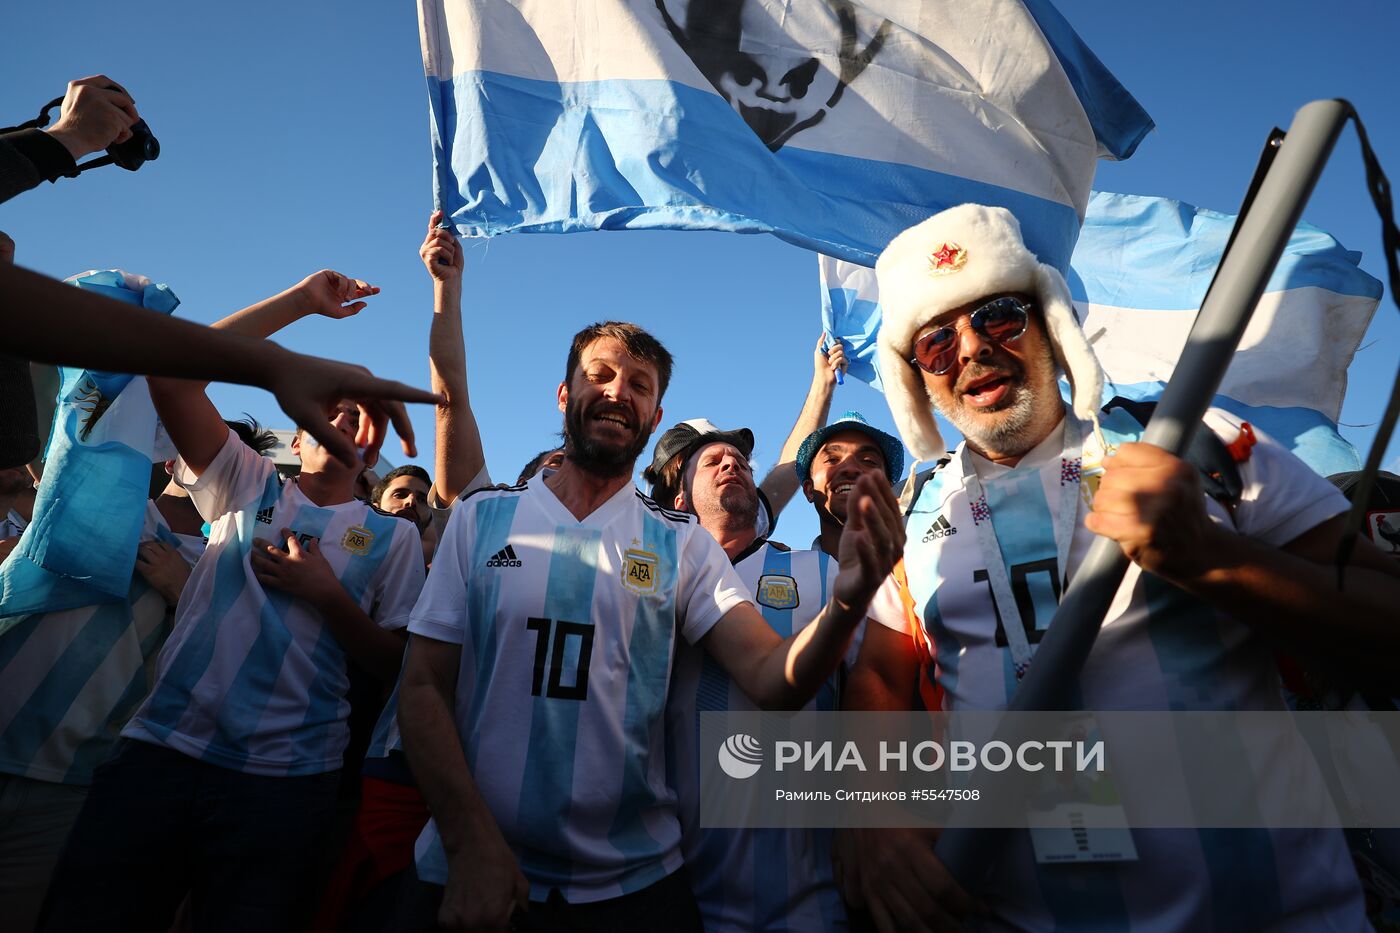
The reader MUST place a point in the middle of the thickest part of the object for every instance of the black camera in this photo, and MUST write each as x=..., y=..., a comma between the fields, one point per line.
x=141, y=148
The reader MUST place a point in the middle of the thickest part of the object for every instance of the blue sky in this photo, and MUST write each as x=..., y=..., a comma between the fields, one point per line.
x=295, y=137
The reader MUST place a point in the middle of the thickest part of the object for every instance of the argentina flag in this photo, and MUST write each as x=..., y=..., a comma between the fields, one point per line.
x=80, y=548
x=833, y=124
x=851, y=313
x=1138, y=276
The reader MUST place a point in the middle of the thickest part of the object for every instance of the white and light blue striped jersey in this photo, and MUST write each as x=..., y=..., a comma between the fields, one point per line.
x=254, y=680
x=70, y=679
x=386, y=737
x=568, y=629
x=1159, y=649
x=753, y=879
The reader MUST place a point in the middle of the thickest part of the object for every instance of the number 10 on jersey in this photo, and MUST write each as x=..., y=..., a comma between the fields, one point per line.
x=561, y=645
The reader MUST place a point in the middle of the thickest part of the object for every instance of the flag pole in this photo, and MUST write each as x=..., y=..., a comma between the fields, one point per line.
x=1244, y=273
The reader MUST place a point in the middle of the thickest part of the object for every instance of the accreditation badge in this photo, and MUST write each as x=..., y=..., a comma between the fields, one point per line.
x=1081, y=819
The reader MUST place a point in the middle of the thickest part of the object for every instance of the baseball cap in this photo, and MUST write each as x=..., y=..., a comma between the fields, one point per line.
x=851, y=421
x=682, y=440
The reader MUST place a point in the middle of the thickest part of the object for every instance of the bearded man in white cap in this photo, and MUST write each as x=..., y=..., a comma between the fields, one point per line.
x=975, y=324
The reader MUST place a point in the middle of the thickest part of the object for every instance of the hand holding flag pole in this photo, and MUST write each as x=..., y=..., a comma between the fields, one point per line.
x=825, y=346
x=1263, y=231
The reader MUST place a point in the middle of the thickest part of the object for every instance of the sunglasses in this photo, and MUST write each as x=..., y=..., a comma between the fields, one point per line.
x=1000, y=320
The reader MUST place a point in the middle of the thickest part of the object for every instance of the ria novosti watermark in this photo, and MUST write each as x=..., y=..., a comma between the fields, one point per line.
x=741, y=756
x=1081, y=770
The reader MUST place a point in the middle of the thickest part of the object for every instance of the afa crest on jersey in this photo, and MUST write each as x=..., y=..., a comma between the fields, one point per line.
x=357, y=540
x=639, y=571
x=776, y=591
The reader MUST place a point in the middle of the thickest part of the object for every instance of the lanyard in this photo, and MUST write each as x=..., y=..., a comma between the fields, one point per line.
x=1066, y=520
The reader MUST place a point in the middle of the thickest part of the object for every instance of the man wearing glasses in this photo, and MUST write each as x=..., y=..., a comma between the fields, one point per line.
x=977, y=325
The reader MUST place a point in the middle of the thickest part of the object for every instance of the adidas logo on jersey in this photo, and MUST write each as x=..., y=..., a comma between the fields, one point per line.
x=265, y=515
x=939, y=529
x=505, y=557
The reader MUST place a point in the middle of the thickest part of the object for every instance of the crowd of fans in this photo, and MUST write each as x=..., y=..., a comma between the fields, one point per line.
x=426, y=700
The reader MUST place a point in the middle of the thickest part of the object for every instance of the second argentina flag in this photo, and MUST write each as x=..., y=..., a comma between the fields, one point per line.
x=1139, y=274
x=830, y=123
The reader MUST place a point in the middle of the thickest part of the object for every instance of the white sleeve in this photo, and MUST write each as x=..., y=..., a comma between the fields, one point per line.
x=887, y=607
x=1283, y=497
x=441, y=611
x=442, y=511
x=234, y=478
x=400, y=578
x=710, y=586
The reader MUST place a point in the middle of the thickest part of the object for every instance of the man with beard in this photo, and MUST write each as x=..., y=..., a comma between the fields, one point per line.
x=743, y=879
x=782, y=481
x=540, y=658
x=975, y=323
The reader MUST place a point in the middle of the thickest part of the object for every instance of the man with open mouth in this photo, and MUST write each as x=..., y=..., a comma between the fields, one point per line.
x=977, y=325
x=542, y=650
x=734, y=872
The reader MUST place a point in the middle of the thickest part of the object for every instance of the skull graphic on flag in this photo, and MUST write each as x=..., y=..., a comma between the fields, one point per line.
x=782, y=67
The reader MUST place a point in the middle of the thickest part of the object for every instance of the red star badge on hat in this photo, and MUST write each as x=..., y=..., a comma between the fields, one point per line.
x=948, y=257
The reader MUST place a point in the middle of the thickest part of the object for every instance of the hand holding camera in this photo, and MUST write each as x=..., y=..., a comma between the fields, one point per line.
x=96, y=113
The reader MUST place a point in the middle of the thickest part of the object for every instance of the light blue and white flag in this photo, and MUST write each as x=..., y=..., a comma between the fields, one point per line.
x=851, y=313
x=80, y=548
x=833, y=124
x=1138, y=276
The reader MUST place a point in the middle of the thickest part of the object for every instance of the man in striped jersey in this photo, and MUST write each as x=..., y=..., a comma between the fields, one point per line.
x=977, y=325
x=224, y=783
x=532, y=703
x=391, y=811
x=760, y=879
x=69, y=679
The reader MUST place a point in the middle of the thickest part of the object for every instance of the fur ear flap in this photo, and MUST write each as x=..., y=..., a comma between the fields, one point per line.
x=909, y=404
x=1072, y=350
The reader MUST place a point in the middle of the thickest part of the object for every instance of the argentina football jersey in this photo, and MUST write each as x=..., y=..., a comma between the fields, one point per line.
x=252, y=679
x=69, y=679
x=1159, y=649
x=567, y=630
x=753, y=879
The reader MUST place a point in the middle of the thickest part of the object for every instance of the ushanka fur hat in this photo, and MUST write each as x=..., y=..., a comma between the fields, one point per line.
x=955, y=257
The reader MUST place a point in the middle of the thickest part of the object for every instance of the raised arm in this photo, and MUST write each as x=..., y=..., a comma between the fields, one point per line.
x=458, y=455
x=79, y=328
x=786, y=673
x=328, y=293
x=780, y=485
x=189, y=417
x=484, y=885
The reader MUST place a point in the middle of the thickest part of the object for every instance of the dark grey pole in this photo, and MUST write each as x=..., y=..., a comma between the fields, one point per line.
x=1264, y=231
